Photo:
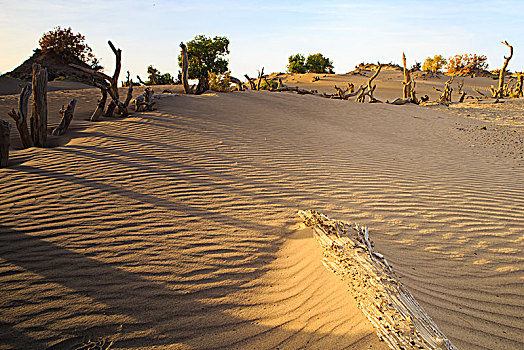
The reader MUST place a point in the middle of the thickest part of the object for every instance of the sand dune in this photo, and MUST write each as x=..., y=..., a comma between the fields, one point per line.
x=178, y=227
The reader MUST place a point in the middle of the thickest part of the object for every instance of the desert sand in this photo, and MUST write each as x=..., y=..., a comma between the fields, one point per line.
x=178, y=228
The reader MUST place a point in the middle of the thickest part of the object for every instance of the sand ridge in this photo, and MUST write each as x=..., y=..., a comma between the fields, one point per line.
x=178, y=227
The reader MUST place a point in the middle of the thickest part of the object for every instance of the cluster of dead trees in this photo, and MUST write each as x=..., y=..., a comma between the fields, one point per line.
x=34, y=134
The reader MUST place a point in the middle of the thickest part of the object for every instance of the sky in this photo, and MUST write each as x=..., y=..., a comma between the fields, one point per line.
x=266, y=33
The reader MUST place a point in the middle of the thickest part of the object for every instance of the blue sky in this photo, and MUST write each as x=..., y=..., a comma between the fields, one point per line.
x=264, y=34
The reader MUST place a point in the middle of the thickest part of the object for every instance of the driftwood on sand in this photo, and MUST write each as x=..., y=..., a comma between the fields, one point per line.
x=38, y=122
x=108, y=85
x=20, y=117
x=369, y=89
x=398, y=318
x=445, y=94
x=5, y=142
x=67, y=116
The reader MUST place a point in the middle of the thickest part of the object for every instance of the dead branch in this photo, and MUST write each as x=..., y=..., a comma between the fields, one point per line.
x=480, y=93
x=145, y=101
x=445, y=97
x=237, y=82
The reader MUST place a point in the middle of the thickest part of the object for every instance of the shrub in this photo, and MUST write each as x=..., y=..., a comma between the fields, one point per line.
x=220, y=82
x=466, y=64
x=317, y=63
x=297, y=64
x=206, y=55
x=434, y=64
x=65, y=43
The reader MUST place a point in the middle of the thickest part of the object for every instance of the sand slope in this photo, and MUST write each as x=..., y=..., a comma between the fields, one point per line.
x=178, y=227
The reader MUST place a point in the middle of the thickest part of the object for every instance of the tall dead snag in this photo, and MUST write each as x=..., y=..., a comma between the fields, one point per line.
x=39, y=116
x=407, y=79
x=500, y=91
x=110, y=84
x=67, y=116
x=460, y=91
x=251, y=83
x=5, y=131
x=20, y=117
x=185, y=68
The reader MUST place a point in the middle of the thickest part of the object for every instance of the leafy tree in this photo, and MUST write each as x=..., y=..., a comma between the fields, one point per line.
x=297, y=64
x=206, y=55
x=466, y=64
x=65, y=43
x=156, y=78
x=317, y=63
x=434, y=64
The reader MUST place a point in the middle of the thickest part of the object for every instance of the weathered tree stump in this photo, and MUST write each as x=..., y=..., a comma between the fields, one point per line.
x=39, y=116
x=5, y=131
x=20, y=117
x=406, y=91
x=67, y=116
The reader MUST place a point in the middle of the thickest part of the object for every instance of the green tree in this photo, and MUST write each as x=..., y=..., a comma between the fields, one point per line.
x=434, y=63
x=65, y=43
x=297, y=64
x=206, y=55
x=317, y=63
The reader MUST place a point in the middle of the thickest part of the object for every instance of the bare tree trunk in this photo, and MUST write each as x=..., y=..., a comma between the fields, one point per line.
x=129, y=96
x=20, y=117
x=5, y=130
x=185, y=68
x=203, y=86
x=67, y=116
x=500, y=91
x=39, y=116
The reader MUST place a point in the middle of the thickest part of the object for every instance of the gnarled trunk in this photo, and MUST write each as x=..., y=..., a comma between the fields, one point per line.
x=39, y=116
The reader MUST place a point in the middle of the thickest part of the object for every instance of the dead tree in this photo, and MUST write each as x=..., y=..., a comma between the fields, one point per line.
x=260, y=75
x=368, y=90
x=141, y=81
x=445, y=96
x=237, y=82
x=20, y=117
x=348, y=92
x=5, y=141
x=407, y=80
x=100, y=105
x=39, y=116
x=145, y=101
x=518, y=87
x=67, y=116
x=460, y=91
x=110, y=84
x=499, y=93
x=251, y=83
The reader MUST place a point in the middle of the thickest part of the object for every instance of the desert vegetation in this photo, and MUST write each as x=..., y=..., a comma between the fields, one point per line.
x=316, y=63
